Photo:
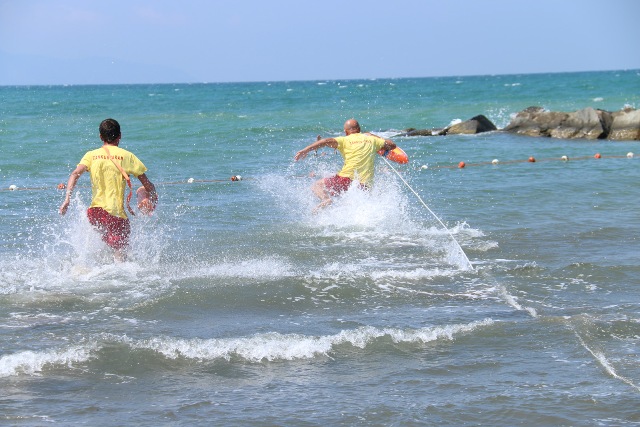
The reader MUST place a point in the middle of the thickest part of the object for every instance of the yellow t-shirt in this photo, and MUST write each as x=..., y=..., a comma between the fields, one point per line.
x=107, y=183
x=359, y=153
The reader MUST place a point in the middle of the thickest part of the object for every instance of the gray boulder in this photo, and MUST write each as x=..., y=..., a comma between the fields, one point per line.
x=587, y=123
x=583, y=124
x=477, y=124
x=535, y=121
x=419, y=132
x=625, y=125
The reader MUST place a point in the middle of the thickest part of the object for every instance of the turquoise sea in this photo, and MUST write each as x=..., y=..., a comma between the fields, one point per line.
x=238, y=306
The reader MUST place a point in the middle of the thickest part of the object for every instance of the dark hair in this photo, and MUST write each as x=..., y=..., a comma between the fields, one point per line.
x=109, y=130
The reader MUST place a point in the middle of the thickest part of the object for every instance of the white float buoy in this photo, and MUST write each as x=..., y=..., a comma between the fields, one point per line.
x=564, y=158
x=13, y=187
x=629, y=155
x=190, y=180
x=495, y=161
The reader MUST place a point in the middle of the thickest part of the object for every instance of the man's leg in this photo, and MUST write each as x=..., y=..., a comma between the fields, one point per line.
x=320, y=190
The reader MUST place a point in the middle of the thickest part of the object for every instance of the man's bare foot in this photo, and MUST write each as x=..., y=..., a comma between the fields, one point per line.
x=119, y=256
x=322, y=205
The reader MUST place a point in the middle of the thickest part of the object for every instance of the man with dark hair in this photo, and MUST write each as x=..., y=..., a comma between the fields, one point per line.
x=110, y=167
x=359, y=152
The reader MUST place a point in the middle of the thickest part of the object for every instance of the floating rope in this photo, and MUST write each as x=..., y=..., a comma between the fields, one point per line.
x=188, y=181
x=531, y=159
x=460, y=165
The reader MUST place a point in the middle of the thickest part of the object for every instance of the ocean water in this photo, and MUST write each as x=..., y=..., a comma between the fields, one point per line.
x=499, y=294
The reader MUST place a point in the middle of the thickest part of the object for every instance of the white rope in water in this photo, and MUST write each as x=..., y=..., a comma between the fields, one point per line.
x=431, y=212
x=602, y=360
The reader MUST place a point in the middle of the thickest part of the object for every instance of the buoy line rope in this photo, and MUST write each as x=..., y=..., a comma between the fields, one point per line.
x=531, y=159
x=187, y=181
x=460, y=165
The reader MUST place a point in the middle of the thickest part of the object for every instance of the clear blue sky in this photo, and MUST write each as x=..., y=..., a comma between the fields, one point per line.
x=168, y=41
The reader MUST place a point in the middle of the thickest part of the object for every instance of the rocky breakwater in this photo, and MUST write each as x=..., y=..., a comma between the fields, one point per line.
x=477, y=124
x=587, y=123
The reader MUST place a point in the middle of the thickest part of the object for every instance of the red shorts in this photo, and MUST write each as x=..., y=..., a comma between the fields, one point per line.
x=115, y=231
x=337, y=184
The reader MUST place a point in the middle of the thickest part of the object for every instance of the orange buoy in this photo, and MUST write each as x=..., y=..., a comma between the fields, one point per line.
x=462, y=165
x=597, y=156
x=396, y=155
x=61, y=186
x=532, y=159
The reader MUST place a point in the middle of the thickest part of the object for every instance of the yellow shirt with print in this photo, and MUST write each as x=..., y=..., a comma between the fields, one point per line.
x=108, y=186
x=359, y=153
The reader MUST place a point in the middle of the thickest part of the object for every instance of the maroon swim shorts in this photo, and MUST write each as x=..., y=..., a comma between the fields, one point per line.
x=115, y=231
x=337, y=184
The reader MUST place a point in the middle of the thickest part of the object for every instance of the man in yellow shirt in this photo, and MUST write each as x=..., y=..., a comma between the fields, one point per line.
x=358, y=151
x=109, y=167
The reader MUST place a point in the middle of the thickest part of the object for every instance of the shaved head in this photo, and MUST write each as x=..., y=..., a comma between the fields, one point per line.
x=351, y=126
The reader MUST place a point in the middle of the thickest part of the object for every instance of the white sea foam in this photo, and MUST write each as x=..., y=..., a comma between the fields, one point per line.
x=32, y=362
x=37, y=277
x=358, y=271
x=485, y=246
x=415, y=274
x=270, y=346
x=261, y=268
x=275, y=346
x=27, y=320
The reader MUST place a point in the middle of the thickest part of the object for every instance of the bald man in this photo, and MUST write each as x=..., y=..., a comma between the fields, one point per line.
x=358, y=151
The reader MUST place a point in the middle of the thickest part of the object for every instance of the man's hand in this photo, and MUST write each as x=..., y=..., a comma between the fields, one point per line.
x=64, y=206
